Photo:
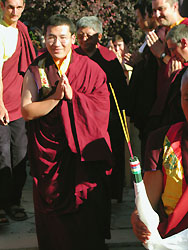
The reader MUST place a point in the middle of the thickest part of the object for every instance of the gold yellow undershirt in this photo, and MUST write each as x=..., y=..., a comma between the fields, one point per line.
x=63, y=64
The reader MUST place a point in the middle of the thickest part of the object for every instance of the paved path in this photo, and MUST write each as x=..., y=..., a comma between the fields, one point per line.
x=22, y=236
x=121, y=230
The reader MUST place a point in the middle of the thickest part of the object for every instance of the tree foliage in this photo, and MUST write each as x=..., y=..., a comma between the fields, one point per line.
x=117, y=16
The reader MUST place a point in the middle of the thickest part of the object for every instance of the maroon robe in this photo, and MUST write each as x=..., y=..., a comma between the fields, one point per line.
x=173, y=112
x=69, y=153
x=13, y=71
x=178, y=220
x=108, y=61
x=163, y=85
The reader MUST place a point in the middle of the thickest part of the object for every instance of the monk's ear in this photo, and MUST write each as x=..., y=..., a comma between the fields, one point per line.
x=99, y=36
x=176, y=6
x=73, y=39
x=184, y=42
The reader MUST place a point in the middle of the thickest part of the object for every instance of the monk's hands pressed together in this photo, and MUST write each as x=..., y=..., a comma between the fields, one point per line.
x=63, y=89
x=139, y=228
x=67, y=88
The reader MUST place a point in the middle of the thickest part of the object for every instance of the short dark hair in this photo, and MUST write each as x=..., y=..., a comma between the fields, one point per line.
x=148, y=7
x=117, y=37
x=140, y=6
x=57, y=20
x=144, y=6
x=3, y=1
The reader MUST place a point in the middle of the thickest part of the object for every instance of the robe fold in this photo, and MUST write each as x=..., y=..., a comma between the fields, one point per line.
x=109, y=63
x=172, y=112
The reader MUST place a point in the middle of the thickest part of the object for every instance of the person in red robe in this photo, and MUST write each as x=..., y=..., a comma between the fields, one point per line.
x=16, y=53
x=166, y=175
x=177, y=42
x=65, y=100
x=89, y=34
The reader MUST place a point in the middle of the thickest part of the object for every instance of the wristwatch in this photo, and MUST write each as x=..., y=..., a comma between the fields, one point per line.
x=162, y=56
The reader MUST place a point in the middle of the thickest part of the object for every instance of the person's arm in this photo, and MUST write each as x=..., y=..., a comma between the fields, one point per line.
x=153, y=181
x=4, y=117
x=157, y=47
x=31, y=107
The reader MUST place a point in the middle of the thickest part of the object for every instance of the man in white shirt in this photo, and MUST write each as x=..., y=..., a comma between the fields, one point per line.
x=16, y=53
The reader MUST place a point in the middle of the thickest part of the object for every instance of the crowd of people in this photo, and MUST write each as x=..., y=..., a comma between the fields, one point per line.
x=57, y=112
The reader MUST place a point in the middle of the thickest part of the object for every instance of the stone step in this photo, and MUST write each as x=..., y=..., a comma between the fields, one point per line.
x=123, y=238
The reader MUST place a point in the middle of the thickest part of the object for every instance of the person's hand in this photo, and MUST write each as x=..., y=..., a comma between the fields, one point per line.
x=134, y=58
x=127, y=58
x=4, y=117
x=59, y=93
x=118, y=55
x=67, y=88
x=155, y=45
x=174, y=66
x=63, y=89
x=139, y=228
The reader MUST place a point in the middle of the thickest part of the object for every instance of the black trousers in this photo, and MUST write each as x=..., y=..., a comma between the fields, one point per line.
x=13, y=149
x=118, y=150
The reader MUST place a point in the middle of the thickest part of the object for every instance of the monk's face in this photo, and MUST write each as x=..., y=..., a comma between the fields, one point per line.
x=12, y=11
x=88, y=39
x=140, y=20
x=58, y=41
x=179, y=50
x=163, y=11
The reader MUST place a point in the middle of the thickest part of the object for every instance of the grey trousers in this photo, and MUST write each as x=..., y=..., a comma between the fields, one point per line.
x=13, y=149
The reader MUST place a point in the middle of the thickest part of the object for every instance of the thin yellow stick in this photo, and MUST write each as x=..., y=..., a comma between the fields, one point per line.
x=119, y=112
x=125, y=122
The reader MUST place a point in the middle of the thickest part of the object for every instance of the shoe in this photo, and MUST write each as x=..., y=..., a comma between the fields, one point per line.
x=3, y=218
x=16, y=213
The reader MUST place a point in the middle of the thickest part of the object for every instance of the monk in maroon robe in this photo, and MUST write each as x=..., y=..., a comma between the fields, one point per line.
x=166, y=175
x=167, y=15
x=89, y=34
x=66, y=101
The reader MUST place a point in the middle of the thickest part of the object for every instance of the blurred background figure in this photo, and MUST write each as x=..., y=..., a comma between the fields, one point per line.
x=144, y=76
x=121, y=49
x=144, y=15
x=110, y=45
x=146, y=22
